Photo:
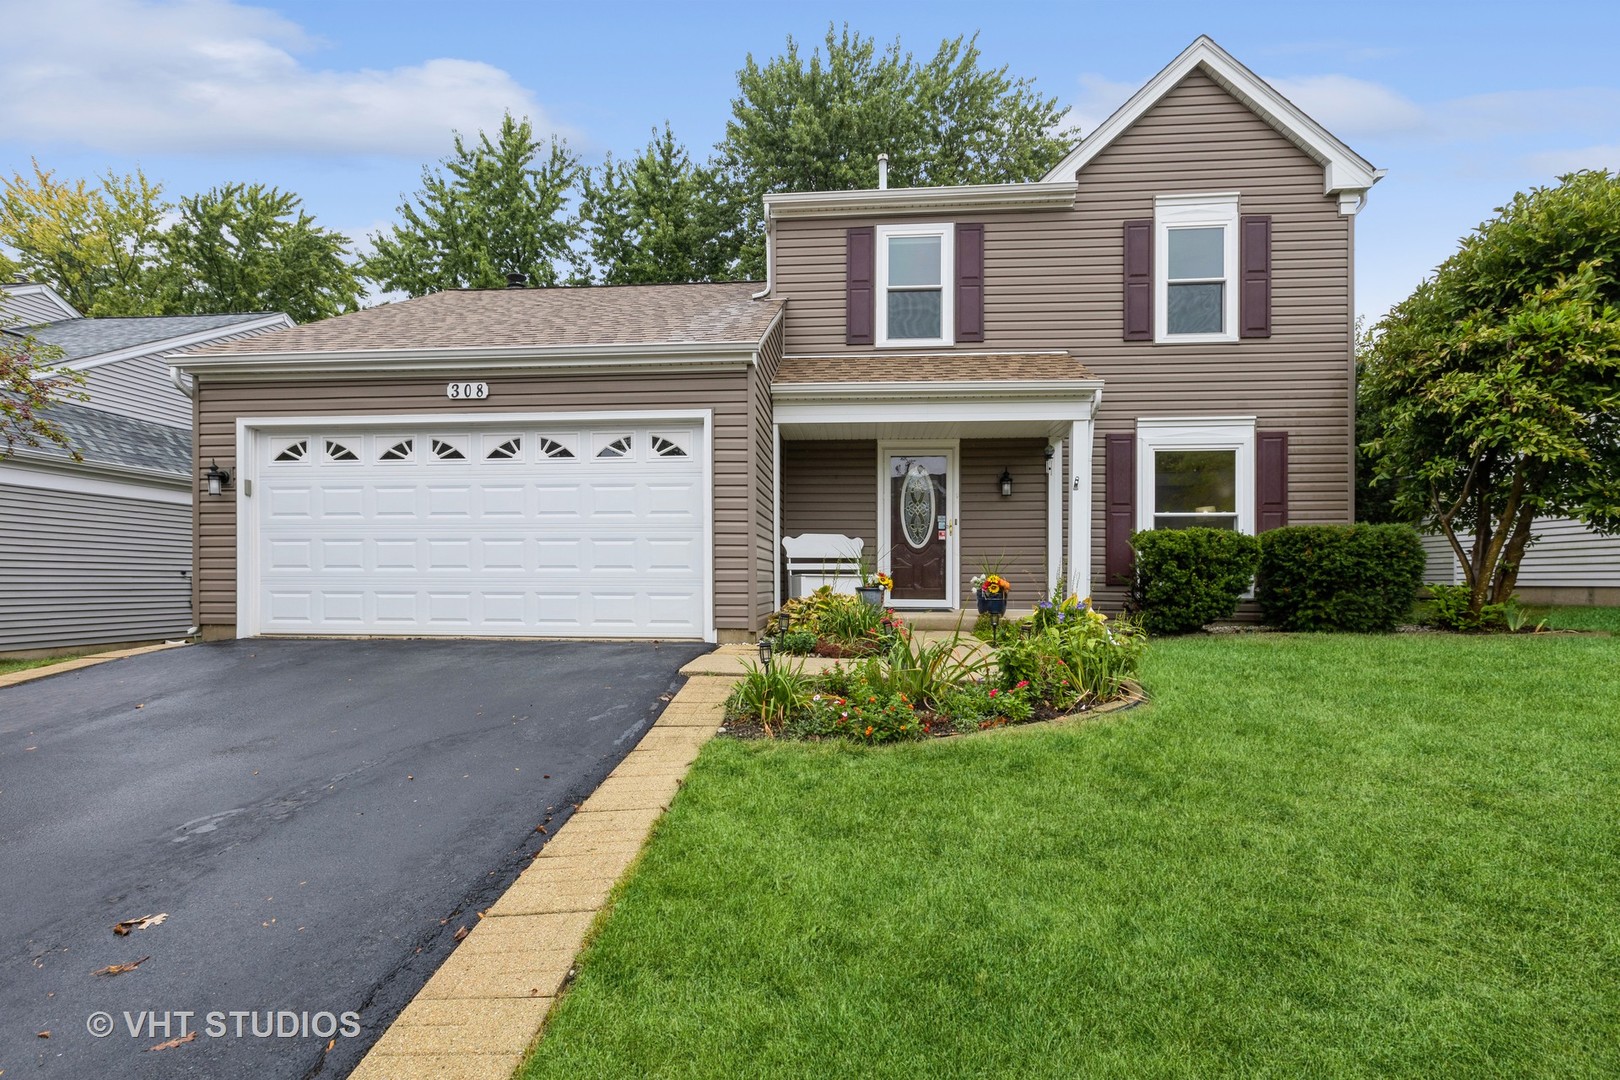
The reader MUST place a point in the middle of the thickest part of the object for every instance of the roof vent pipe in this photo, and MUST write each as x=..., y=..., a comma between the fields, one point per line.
x=883, y=172
x=516, y=281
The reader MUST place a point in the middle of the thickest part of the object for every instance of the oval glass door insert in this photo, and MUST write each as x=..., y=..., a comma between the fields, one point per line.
x=917, y=506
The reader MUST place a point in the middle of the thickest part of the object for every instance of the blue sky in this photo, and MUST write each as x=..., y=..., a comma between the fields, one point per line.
x=343, y=102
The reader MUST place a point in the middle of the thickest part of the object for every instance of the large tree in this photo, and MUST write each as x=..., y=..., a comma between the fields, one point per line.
x=819, y=123
x=1496, y=384
x=247, y=247
x=99, y=245
x=493, y=207
x=654, y=218
x=30, y=383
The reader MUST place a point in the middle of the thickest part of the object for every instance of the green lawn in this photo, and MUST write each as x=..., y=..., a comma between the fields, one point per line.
x=8, y=666
x=1310, y=856
x=1578, y=618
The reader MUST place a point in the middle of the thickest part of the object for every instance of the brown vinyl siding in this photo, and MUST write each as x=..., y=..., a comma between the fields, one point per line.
x=1011, y=531
x=762, y=569
x=219, y=404
x=1053, y=281
x=829, y=486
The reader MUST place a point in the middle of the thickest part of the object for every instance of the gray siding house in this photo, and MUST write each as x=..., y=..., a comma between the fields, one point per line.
x=98, y=551
x=1157, y=334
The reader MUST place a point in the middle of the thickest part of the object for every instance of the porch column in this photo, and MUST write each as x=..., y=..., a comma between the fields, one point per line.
x=1080, y=439
x=776, y=517
x=1054, y=514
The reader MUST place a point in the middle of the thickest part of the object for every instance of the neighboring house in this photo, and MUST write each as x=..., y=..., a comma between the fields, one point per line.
x=1159, y=333
x=1566, y=563
x=98, y=551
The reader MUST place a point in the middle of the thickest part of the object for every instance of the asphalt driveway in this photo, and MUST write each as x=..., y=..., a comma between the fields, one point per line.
x=315, y=819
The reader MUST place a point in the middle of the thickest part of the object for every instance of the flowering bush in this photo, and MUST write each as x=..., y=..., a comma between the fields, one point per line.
x=1076, y=658
x=983, y=705
x=865, y=712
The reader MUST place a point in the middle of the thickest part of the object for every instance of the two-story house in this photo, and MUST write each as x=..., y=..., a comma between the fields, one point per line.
x=1157, y=334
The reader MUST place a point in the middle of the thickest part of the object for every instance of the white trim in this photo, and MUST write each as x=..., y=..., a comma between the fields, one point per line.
x=1235, y=433
x=1081, y=437
x=1215, y=210
x=951, y=450
x=939, y=389
x=23, y=455
x=248, y=556
x=1342, y=168
x=167, y=345
x=38, y=475
x=1054, y=512
x=493, y=357
x=947, y=284
x=919, y=200
x=964, y=411
x=776, y=515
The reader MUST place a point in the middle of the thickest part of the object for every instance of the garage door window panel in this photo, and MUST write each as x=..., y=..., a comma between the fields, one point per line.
x=396, y=449
x=450, y=448
x=618, y=447
x=555, y=448
x=289, y=452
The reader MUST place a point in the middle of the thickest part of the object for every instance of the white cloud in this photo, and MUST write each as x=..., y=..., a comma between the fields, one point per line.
x=1351, y=107
x=1097, y=100
x=214, y=76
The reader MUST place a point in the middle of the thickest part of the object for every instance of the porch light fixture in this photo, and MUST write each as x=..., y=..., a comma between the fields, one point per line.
x=1006, y=483
x=1051, y=451
x=765, y=652
x=218, y=479
x=784, y=622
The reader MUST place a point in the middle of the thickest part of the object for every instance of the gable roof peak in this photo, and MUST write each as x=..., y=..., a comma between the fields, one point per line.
x=1344, y=172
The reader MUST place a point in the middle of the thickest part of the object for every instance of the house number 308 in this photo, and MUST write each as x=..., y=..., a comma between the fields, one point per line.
x=473, y=391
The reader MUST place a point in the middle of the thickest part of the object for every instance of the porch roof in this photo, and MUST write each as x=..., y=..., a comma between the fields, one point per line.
x=932, y=395
x=1053, y=366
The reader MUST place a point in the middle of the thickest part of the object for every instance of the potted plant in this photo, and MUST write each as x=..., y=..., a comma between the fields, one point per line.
x=873, y=585
x=992, y=590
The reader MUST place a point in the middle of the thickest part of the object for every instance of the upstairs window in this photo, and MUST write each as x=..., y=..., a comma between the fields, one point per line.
x=915, y=275
x=1195, y=284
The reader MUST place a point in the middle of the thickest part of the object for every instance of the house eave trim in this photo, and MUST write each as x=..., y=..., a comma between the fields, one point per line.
x=939, y=390
x=34, y=459
x=1044, y=195
x=164, y=346
x=486, y=358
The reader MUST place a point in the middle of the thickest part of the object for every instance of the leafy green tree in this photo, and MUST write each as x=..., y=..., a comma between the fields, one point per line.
x=99, y=246
x=1497, y=383
x=819, y=125
x=654, y=218
x=491, y=208
x=30, y=383
x=247, y=247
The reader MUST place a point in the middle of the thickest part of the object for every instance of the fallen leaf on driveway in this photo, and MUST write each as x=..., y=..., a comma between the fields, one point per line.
x=461, y=932
x=122, y=929
x=331, y=1043
x=44, y=1034
x=119, y=969
x=172, y=1043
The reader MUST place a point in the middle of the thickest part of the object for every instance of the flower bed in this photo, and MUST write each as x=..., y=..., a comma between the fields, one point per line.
x=908, y=688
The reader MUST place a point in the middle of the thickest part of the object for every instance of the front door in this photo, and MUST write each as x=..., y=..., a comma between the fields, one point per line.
x=920, y=526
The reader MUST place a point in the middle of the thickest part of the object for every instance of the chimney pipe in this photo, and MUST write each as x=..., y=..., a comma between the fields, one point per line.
x=883, y=172
x=516, y=281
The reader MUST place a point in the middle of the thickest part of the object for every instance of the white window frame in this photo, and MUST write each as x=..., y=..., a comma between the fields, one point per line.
x=1195, y=433
x=947, y=283
x=1194, y=212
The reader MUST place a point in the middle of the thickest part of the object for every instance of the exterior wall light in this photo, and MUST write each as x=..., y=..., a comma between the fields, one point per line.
x=218, y=479
x=1006, y=483
x=765, y=652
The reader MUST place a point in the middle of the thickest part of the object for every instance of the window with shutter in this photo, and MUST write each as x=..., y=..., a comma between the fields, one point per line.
x=1195, y=275
x=916, y=294
x=1196, y=471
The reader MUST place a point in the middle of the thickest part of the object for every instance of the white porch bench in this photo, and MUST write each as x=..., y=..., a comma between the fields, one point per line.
x=817, y=559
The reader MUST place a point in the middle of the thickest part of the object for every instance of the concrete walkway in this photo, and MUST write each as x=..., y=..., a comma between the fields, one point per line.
x=481, y=1011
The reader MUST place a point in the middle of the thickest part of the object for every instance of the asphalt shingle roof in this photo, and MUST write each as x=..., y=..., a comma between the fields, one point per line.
x=111, y=439
x=708, y=313
x=80, y=338
x=941, y=367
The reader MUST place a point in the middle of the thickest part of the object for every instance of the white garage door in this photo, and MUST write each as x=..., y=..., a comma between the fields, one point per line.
x=512, y=531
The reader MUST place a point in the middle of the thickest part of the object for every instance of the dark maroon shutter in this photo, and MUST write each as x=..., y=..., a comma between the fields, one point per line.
x=1119, y=508
x=1139, y=280
x=1254, y=297
x=1271, y=480
x=970, y=283
x=860, y=289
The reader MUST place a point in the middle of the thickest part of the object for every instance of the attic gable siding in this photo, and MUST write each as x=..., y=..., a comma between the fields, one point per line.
x=141, y=387
x=1053, y=280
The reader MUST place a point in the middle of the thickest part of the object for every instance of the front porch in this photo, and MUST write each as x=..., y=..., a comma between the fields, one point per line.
x=940, y=466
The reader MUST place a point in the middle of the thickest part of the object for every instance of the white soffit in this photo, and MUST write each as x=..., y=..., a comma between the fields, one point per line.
x=1343, y=169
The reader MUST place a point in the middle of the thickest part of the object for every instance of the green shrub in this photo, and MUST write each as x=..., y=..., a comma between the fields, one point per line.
x=866, y=711
x=984, y=705
x=925, y=673
x=1448, y=610
x=797, y=642
x=1359, y=578
x=1188, y=577
x=769, y=696
x=1079, y=659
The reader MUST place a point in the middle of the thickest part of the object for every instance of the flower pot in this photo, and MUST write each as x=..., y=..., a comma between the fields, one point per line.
x=992, y=605
x=872, y=594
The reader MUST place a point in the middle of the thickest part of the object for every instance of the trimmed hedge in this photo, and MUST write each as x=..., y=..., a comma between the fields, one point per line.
x=1188, y=577
x=1357, y=578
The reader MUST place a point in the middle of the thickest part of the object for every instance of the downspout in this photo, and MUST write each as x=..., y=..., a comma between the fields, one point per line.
x=177, y=377
x=770, y=255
